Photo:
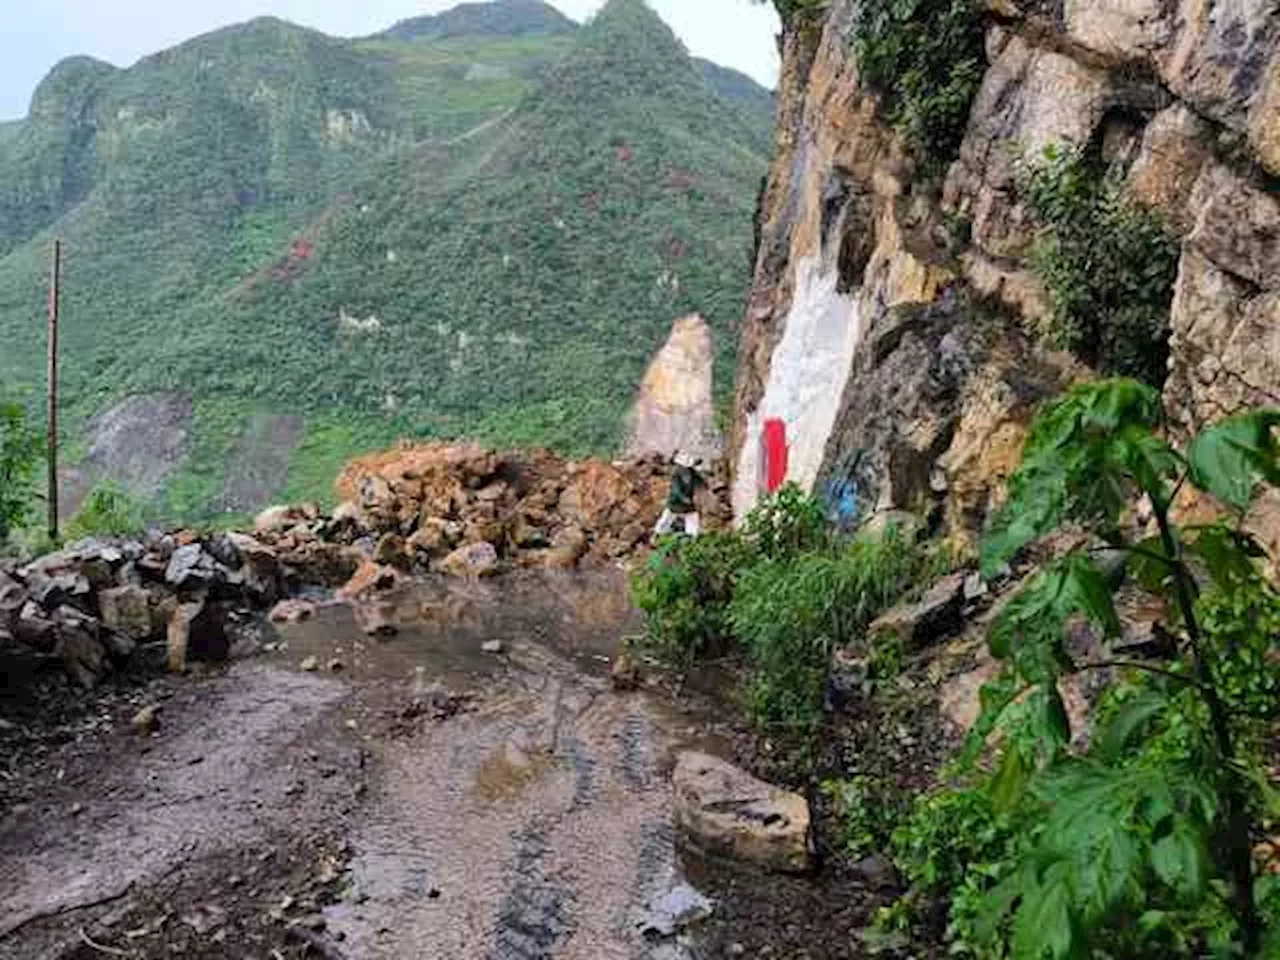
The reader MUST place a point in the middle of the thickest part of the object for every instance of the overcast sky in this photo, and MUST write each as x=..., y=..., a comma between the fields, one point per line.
x=36, y=34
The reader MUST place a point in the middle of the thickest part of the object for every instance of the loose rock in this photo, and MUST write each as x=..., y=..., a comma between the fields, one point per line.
x=146, y=720
x=126, y=611
x=473, y=560
x=721, y=810
x=292, y=611
x=937, y=615
x=623, y=672
x=675, y=911
x=197, y=631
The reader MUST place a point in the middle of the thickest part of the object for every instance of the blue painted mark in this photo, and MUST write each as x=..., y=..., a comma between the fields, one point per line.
x=841, y=495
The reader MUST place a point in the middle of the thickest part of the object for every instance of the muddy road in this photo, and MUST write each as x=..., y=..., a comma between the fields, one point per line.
x=469, y=788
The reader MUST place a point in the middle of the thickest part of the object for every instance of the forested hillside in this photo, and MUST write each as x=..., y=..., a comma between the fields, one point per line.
x=457, y=227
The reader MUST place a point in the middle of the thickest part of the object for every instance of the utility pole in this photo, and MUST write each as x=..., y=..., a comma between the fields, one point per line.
x=54, y=281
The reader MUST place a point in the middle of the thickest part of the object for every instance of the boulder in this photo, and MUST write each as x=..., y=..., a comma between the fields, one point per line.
x=433, y=538
x=79, y=648
x=368, y=578
x=623, y=672
x=292, y=611
x=193, y=569
x=375, y=619
x=146, y=720
x=197, y=632
x=126, y=611
x=473, y=560
x=391, y=551
x=314, y=563
x=485, y=530
x=34, y=628
x=723, y=811
x=276, y=520
x=673, y=912
x=348, y=512
x=571, y=541
x=938, y=614
x=12, y=599
x=526, y=535
x=258, y=567
x=51, y=592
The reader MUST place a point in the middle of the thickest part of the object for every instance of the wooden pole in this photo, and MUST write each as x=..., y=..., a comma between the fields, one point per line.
x=54, y=281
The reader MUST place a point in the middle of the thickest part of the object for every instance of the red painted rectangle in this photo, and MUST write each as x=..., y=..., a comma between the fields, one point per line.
x=773, y=455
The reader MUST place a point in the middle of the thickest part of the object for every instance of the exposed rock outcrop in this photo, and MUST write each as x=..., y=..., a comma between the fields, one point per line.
x=905, y=354
x=675, y=409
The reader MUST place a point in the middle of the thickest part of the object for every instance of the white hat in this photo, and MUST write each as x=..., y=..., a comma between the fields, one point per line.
x=685, y=459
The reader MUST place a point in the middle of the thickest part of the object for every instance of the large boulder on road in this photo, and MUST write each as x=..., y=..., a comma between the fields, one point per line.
x=722, y=811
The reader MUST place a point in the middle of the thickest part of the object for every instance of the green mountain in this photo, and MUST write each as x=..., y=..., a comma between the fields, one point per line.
x=511, y=18
x=462, y=232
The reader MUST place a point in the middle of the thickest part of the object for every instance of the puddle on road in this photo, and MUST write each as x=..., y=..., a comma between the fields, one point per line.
x=442, y=624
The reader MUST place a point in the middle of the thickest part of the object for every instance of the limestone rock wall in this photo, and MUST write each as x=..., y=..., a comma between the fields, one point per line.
x=904, y=357
x=675, y=409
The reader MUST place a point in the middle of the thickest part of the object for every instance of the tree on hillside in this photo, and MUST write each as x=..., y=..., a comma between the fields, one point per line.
x=19, y=454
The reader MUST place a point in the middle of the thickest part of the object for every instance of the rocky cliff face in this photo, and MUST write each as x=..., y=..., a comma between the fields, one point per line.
x=675, y=411
x=902, y=352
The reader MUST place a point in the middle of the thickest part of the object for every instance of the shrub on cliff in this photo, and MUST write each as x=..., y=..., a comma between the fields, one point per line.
x=789, y=614
x=926, y=59
x=1109, y=265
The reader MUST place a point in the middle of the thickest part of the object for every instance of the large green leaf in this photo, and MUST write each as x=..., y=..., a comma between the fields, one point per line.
x=1043, y=924
x=1180, y=860
x=1230, y=458
x=1083, y=452
x=1112, y=741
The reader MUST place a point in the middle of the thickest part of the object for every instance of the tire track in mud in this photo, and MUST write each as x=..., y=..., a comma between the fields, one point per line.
x=541, y=819
x=536, y=914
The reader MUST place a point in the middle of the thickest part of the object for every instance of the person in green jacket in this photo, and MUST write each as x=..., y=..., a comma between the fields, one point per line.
x=685, y=481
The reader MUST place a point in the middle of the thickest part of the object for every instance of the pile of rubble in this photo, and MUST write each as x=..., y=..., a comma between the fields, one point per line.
x=461, y=509
x=449, y=509
x=92, y=605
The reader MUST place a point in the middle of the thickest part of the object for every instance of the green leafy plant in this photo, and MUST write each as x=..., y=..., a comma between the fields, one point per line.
x=926, y=58
x=1147, y=832
x=789, y=614
x=866, y=812
x=784, y=591
x=684, y=590
x=688, y=583
x=19, y=454
x=787, y=523
x=1109, y=265
x=108, y=511
x=954, y=845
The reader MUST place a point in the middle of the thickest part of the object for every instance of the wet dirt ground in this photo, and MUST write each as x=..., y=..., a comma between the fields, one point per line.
x=414, y=797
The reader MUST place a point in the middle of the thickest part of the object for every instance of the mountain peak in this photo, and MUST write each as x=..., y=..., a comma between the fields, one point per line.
x=627, y=42
x=497, y=18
